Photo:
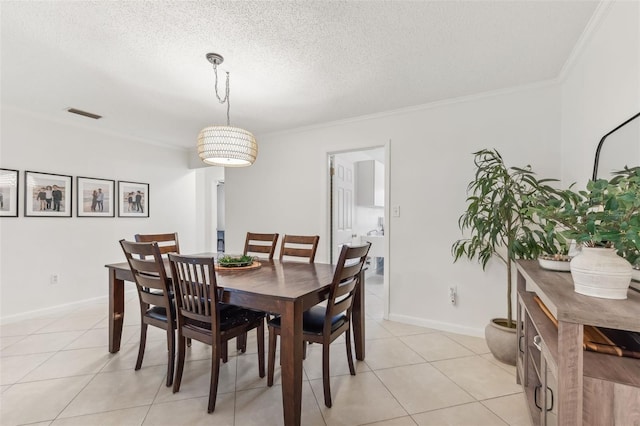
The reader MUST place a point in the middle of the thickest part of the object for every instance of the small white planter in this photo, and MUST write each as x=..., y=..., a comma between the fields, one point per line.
x=555, y=263
x=600, y=272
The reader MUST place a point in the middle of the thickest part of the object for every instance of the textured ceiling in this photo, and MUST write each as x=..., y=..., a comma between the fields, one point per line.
x=142, y=65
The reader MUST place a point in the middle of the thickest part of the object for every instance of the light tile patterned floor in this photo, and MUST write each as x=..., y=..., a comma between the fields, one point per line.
x=56, y=370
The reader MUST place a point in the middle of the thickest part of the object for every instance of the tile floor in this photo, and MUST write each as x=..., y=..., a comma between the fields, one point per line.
x=56, y=370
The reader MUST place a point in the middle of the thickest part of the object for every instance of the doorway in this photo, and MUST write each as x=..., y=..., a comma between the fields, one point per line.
x=357, y=197
x=220, y=208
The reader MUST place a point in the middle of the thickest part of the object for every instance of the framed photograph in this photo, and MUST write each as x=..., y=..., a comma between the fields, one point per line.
x=47, y=194
x=133, y=199
x=8, y=193
x=95, y=197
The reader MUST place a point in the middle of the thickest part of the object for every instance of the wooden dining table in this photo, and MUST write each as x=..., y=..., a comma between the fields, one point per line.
x=280, y=287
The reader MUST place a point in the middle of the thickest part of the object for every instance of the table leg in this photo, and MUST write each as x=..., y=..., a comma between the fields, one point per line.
x=291, y=362
x=116, y=311
x=357, y=319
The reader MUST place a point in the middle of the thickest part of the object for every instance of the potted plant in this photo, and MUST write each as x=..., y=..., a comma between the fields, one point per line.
x=499, y=224
x=555, y=247
x=605, y=219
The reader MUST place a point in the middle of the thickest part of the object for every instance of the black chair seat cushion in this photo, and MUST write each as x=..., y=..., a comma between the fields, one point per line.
x=313, y=320
x=235, y=316
x=159, y=313
x=231, y=316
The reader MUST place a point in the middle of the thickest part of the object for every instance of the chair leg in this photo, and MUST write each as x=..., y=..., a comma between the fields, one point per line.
x=180, y=366
x=189, y=342
x=171, y=355
x=260, y=333
x=271, y=359
x=224, y=351
x=241, y=343
x=325, y=373
x=141, y=346
x=352, y=368
x=215, y=372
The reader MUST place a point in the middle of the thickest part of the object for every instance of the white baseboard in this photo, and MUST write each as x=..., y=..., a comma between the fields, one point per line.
x=38, y=313
x=439, y=325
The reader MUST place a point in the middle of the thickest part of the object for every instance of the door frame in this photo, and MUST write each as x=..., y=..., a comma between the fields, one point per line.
x=388, y=229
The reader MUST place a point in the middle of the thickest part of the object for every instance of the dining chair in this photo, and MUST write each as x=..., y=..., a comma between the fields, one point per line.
x=168, y=243
x=202, y=317
x=299, y=246
x=261, y=244
x=324, y=324
x=155, y=296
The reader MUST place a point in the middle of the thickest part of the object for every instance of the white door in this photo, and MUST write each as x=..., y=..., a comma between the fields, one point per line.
x=342, y=200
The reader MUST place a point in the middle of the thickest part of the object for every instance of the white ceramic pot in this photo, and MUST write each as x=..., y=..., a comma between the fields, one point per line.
x=600, y=272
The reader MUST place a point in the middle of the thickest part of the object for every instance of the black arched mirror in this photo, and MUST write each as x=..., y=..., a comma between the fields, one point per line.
x=618, y=148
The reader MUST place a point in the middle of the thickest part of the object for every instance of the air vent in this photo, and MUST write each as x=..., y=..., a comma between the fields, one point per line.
x=84, y=113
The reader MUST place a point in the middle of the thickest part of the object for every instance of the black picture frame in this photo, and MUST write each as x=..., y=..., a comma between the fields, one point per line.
x=9, y=189
x=40, y=199
x=95, y=197
x=129, y=205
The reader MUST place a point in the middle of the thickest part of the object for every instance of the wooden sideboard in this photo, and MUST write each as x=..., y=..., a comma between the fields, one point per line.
x=563, y=384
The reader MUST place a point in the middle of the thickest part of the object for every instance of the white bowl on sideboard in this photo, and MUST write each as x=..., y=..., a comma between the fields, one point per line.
x=547, y=262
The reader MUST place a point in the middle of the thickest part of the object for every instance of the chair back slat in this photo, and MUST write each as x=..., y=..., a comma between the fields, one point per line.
x=350, y=271
x=149, y=298
x=197, y=294
x=146, y=266
x=300, y=246
x=168, y=243
x=261, y=244
x=346, y=278
x=189, y=315
x=342, y=305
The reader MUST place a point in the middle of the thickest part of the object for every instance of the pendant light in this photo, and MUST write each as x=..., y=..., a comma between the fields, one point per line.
x=226, y=146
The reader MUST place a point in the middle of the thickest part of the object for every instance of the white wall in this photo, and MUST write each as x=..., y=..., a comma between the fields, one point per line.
x=33, y=248
x=286, y=191
x=601, y=88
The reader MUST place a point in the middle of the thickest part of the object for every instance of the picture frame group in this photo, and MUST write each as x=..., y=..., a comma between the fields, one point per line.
x=52, y=195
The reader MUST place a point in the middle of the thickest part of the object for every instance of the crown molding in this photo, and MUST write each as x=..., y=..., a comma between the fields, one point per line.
x=105, y=132
x=421, y=107
x=596, y=19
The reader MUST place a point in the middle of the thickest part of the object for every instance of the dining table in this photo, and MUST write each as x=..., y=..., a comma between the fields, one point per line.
x=285, y=288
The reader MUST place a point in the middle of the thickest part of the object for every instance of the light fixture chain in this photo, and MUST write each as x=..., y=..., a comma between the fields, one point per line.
x=228, y=100
x=226, y=95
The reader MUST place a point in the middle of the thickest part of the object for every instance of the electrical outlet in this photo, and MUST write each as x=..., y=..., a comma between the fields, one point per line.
x=54, y=279
x=453, y=293
x=395, y=211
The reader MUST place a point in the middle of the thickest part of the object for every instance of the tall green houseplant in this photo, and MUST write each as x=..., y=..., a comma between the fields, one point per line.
x=497, y=216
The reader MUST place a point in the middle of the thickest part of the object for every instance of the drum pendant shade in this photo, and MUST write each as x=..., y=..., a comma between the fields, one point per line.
x=227, y=146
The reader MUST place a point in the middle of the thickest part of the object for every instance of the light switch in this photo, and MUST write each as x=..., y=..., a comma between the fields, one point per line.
x=395, y=211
